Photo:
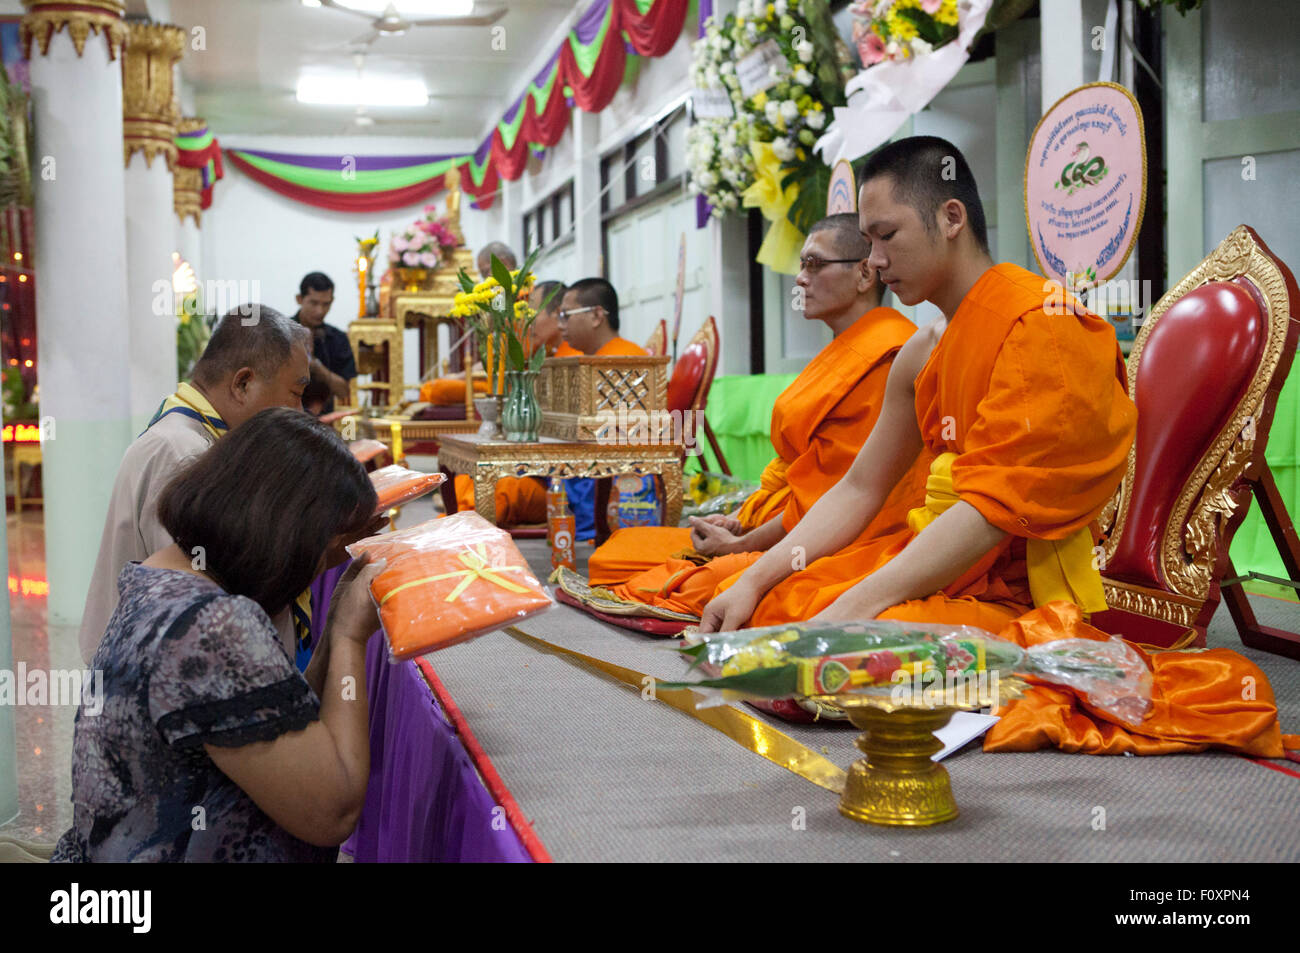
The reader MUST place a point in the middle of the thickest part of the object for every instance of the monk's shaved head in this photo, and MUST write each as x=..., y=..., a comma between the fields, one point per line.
x=846, y=239
x=927, y=171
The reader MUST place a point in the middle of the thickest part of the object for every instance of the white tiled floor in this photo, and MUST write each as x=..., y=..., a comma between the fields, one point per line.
x=44, y=733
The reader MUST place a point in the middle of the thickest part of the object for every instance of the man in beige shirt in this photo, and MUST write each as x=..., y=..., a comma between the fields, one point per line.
x=257, y=358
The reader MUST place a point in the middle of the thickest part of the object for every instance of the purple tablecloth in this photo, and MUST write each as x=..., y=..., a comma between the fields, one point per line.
x=424, y=800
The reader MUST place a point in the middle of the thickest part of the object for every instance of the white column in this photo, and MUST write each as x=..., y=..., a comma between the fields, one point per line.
x=189, y=242
x=1061, y=31
x=81, y=313
x=586, y=192
x=150, y=241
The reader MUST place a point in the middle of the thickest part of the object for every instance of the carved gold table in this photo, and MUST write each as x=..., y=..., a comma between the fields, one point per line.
x=487, y=461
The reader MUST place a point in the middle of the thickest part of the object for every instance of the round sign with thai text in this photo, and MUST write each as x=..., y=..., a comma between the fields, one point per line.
x=1086, y=184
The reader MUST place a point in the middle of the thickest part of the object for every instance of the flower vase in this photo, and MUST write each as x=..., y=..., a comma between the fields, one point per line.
x=521, y=418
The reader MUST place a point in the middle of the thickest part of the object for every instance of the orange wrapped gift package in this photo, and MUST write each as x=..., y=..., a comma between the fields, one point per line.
x=396, y=485
x=447, y=581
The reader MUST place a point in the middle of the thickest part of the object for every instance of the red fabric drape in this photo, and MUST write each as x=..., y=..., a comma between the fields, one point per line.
x=654, y=33
x=593, y=93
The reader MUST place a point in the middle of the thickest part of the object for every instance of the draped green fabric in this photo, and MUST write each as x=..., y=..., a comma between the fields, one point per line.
x=586, y=56
x=541, y=94
x=194, y=143
x=333, y=180
x=740, y=413
x=1253, y=548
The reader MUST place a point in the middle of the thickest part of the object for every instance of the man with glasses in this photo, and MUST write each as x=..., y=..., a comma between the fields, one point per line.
x=589, y=319
x=818, y=425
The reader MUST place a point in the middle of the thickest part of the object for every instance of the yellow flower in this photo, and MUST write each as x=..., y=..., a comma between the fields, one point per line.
x=947, y=13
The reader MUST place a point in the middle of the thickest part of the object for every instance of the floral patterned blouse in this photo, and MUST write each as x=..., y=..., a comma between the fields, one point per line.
x=183, y=664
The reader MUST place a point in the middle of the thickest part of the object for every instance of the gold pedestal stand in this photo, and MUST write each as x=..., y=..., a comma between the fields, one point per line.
x=897, y=784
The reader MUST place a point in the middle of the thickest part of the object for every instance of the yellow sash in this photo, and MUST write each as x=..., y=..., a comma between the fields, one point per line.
x=764, y=502
x=1058, y=568
x=190, y=402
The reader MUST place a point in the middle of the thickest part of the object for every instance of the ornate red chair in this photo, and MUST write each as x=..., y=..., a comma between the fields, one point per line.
x=688, y=388
x=1205, y=373
x=657, y=343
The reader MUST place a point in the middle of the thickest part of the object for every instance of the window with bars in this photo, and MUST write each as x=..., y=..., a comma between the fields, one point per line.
x=549, y=223
x=647, y=164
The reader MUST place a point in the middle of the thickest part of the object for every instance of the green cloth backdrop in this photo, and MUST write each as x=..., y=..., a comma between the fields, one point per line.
x=1252, y=547
x=740, y=413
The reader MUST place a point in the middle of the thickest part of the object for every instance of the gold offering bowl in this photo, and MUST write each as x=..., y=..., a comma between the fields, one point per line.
x=897, y=784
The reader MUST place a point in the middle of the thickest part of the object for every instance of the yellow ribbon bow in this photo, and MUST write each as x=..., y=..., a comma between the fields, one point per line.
x=781, y=246
x=1057, y=568
x=476, y=567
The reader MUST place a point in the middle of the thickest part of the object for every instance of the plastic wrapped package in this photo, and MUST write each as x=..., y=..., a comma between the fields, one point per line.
x=447, y=581
x=804, y=659
x=397, y=484
x=707, y=494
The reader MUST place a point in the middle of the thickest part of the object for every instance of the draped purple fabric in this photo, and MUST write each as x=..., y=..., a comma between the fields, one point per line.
x=424, y=800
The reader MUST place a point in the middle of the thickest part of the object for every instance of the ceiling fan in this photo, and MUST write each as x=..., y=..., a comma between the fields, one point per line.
x=391, y=23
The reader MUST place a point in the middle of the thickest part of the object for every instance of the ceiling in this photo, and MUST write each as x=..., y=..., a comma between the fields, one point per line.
x=244, y=81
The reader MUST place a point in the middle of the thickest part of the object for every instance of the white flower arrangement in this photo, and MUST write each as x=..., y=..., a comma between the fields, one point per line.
x=789, y=113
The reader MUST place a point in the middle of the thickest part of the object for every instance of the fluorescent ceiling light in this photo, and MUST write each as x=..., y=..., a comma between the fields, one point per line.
x=413, y=8
x=333, y=89
x=311, y=3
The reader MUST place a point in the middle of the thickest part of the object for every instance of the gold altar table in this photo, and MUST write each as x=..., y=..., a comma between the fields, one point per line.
x=488, y=460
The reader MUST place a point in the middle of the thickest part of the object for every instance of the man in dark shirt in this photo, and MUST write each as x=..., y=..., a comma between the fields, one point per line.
x=332, y=364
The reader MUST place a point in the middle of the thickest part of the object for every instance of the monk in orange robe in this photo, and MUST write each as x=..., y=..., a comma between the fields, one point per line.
x=589, y=320
x=818, y=425
x=1020, y=396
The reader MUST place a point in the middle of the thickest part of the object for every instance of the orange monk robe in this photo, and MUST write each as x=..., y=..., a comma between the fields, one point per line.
x=819, y=424
x=1196, y=702
x=566, y=350
x=518, y=499
x=1034, y=408
x=621, y=347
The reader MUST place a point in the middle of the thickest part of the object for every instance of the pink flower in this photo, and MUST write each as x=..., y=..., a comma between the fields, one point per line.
x=394, y=257
x=411, y=259
x=871, y=48
x=429, y=260
x=399, y=243
x=931, y=6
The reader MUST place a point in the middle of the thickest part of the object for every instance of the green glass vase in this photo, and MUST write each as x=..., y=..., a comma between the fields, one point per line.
x=521, y=418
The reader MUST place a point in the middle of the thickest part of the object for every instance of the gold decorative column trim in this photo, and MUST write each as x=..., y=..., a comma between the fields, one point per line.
x=187, y=183
x=44, y=18
x=187, y=194
x=149, y=113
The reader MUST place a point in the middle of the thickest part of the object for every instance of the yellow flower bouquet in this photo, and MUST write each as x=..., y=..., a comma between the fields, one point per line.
x=497, y=310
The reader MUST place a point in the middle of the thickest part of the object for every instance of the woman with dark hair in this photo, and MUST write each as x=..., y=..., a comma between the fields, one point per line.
x=209, y=745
